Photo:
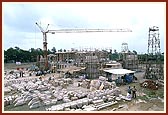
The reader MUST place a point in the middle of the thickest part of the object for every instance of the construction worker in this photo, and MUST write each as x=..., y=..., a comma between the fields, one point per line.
x=129, y=92
x=134, y=92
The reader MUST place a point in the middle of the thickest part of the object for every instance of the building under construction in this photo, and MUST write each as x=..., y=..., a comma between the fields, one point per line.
x=92, y=60
x=128, y=59
x=61, y=58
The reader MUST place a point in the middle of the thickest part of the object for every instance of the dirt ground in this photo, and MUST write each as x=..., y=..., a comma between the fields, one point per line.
x=147, y=100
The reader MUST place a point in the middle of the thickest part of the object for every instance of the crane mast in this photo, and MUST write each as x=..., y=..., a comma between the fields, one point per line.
x=44, y=43
x=70, y=31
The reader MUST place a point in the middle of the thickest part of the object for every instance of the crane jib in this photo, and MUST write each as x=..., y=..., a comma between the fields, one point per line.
x=87, y=30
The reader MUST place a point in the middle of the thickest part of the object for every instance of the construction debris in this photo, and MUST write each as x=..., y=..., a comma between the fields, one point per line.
x=150, y=84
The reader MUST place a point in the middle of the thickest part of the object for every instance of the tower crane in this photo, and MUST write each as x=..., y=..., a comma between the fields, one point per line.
x=71, y=31
x=44, y=43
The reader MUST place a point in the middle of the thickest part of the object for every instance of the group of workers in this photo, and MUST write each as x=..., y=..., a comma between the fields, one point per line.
x=132, y=91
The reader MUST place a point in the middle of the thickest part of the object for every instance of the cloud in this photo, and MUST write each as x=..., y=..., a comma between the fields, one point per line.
x=19, y=17
x=20, y=29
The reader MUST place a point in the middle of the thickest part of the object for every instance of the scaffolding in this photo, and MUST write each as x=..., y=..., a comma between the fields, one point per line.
x=154, y=41
x=124, y=47
x=129, y=59
x=154, y=66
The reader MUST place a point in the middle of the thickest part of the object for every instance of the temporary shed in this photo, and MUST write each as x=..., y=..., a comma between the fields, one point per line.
x=119, y=71
x=113, y=74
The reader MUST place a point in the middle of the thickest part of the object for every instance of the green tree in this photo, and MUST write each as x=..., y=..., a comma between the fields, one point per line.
x=53, y=50
x=49, y=52
x=110, y=50
x=115, y=51
x=134, y=52
x=60, y=50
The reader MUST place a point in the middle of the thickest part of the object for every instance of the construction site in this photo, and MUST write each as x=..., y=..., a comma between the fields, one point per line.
x=88, y=79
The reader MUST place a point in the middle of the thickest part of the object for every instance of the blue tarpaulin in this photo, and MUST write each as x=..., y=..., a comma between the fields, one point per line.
x=129, y=78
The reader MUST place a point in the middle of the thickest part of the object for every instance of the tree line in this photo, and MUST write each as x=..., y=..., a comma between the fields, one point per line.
x=17, y=54
x=141, y=57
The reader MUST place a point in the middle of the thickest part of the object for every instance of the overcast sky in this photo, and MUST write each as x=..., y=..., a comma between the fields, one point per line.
x=19, y=28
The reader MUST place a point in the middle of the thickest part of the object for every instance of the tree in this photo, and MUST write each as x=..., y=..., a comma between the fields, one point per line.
x=49, y=52
x=11, y=54
x=110, y=50
x=17, y=54
x=60, y=50
x=114, y=56
x=5, y=57
x=134, y=52
x=115, y=51
x=17, y=48
x=33, y=54
x=53, y=50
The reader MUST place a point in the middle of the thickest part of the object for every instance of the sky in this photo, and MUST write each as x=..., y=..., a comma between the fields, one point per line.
x=19, y=28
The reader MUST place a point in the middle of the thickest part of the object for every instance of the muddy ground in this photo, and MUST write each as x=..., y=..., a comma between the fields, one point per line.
x=147, y=100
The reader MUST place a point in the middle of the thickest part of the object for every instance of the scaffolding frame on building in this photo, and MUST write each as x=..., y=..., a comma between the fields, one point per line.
x=154, y=67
